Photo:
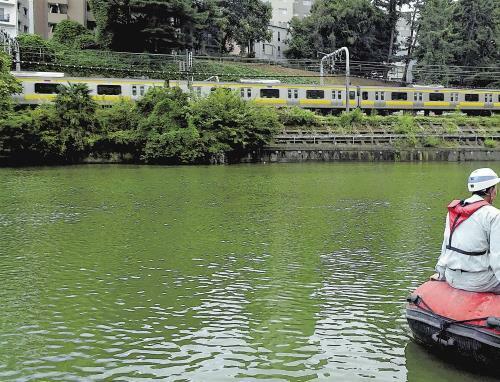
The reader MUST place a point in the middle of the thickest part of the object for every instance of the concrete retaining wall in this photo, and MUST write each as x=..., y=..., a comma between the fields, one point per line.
x=330, y=153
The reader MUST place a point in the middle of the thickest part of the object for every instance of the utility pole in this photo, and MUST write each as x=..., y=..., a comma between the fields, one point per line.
x=189, y=68
x=333, y=56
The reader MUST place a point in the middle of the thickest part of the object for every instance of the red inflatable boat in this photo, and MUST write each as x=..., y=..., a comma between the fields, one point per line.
x=456, y=321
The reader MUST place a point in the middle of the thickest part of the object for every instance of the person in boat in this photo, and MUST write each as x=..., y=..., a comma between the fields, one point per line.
x=470, y=254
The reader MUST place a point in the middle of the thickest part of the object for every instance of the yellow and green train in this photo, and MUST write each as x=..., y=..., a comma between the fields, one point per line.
x=43, y=87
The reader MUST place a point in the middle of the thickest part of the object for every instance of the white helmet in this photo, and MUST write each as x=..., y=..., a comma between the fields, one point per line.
x=481, y=179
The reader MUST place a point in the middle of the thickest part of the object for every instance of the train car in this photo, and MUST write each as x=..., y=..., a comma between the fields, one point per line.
x=384, y=99
x=41, y=88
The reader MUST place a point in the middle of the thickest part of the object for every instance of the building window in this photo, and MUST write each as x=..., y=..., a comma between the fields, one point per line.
x=472, y=97
x=269, y=93
x=436, y=97
x=109, y=89
x=58, y=8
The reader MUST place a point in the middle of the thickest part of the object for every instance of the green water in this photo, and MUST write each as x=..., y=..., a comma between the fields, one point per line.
x=262, y=272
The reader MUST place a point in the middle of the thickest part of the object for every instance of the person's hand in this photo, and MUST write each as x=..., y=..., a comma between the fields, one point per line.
x=434, y=277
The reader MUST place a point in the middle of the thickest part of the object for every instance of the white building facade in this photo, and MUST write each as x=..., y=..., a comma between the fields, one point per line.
x=274, y=49
x=16, y=16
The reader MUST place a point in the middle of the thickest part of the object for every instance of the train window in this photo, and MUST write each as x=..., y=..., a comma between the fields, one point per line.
x=336, y=94
x=471, y=97
x=417, y=97
x=315, y=94
x=293, y=93
x=109, y=89
x=352, y=95
x=454, y=97
x=269, y=93
x=399, y=96
x=436, y=97
x=364, y=96
x=379, y=96
x=134, y=90
x=45, y=88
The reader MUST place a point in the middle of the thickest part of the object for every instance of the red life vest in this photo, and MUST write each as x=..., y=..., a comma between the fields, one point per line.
x=459, y=212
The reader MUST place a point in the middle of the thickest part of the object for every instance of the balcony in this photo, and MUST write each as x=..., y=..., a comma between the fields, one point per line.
x=56, y=18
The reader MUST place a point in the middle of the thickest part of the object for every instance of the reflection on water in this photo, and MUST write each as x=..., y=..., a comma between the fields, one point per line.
x=281, y=272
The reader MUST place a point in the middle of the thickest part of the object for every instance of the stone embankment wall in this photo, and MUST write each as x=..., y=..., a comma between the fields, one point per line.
x=367, y=153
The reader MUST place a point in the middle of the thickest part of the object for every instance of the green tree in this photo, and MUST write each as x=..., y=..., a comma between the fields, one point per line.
x=118, y=128
x=166, y=128
x=436, y=42
x=72, y=34
x=246, y=21
x=8, y=85
x=75, y=110
x=356, y=24
x=476, y=25
x=231, y=127
x=392, y=8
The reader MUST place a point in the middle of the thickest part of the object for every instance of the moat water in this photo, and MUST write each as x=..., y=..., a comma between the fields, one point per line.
x=234, y=273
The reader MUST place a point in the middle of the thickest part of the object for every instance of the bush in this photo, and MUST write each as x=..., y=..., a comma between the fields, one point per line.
x=72, y=34
x=490, y=143
x=233, y=127
x=119, y=128
x=296, y=116
x=166, y=127
x=431, y=141
x=352, y=119
x=405, y=124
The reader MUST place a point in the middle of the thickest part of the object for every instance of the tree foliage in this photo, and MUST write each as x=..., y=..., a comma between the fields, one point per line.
x=463, y=33
x=332, y=24
x=476, y=30
x=72, y=34
x=174, y=25
x=8, y=84
x=230, y=126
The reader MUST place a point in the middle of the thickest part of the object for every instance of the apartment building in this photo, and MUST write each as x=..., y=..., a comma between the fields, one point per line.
x=283, y=11
x=48, y=13
x=302, y=8
x=15, y=16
